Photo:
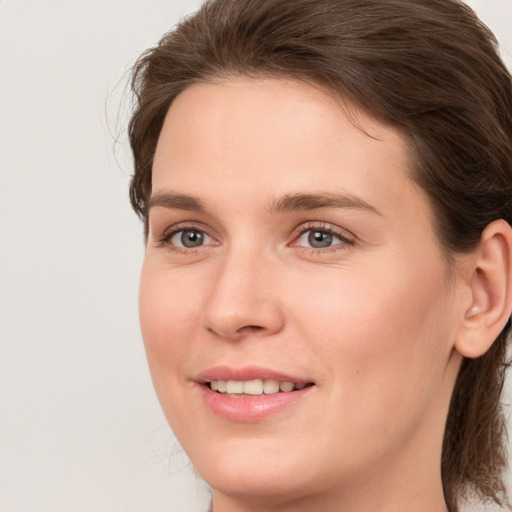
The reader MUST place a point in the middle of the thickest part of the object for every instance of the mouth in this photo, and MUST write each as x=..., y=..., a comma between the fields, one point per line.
x=251, y=393
x=255, y=387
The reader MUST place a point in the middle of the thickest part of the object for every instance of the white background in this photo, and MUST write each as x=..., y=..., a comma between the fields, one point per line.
x=80, y=427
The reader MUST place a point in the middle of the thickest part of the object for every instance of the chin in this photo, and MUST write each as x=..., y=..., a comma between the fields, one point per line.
x=251, y=471
x=260, y=471
x=256, y=484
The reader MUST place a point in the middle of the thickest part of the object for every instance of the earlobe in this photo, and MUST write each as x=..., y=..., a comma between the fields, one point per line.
x=491, y=291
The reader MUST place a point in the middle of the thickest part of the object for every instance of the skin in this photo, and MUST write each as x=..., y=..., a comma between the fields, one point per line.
x=372, y=319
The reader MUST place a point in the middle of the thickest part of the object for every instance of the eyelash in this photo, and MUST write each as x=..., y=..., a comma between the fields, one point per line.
x=165, y=239
x=346, y=238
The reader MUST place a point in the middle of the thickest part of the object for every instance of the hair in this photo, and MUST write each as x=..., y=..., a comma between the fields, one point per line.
x=430, y=69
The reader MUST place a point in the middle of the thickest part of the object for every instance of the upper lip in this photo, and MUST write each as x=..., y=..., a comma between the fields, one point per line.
x=247, y=373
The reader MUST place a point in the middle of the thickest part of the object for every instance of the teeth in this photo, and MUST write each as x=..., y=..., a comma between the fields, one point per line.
x=233, y=386
x=286, y=386
x=270, y=387
x=254, y=387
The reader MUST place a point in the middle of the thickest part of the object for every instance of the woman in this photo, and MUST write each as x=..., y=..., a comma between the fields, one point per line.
x=326, y=190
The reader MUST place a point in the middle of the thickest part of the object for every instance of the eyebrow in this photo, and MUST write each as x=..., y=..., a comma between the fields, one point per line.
x=176, y=201
x=294, y=202
x=285, y=204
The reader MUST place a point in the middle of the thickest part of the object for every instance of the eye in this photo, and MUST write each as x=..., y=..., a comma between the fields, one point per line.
x=322, y=237
x=318, y=239
x=189, y=238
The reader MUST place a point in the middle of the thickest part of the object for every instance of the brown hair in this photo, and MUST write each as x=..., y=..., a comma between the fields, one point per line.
x=429, y=68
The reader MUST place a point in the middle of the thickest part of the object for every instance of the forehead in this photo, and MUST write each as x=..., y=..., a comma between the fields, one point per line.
x=270, y=108
x=277, y=137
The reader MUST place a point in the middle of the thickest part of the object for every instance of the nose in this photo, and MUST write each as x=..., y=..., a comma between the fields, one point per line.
x=243, y=301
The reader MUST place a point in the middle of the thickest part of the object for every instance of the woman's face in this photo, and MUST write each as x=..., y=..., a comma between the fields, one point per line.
x=288, y=245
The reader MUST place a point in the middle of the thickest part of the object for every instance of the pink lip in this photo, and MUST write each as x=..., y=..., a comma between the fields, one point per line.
x=248, y=408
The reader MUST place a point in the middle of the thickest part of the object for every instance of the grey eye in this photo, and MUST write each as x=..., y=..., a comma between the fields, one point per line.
x=188, y=238
x=191, y=238
x=319, y=239
x=322, y=238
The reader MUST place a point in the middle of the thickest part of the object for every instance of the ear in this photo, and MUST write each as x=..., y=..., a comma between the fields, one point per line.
x=490, y=281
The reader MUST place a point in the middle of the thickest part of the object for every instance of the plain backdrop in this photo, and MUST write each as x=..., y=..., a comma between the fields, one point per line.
x=80, y=427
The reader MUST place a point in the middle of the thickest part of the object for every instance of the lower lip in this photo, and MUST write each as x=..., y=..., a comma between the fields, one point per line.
x=250, y=408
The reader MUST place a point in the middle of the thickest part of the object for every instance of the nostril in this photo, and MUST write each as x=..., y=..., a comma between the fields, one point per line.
x=251, y=328
x=245, y=330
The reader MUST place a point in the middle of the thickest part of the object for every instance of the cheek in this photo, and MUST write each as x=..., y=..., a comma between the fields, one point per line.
x=383, y=341
x=168, y=319
x=380, y=333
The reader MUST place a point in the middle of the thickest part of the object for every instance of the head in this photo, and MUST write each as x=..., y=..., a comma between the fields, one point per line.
x=425, y=70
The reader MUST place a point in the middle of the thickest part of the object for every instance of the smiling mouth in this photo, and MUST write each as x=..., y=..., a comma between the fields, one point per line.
x=256, y=387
